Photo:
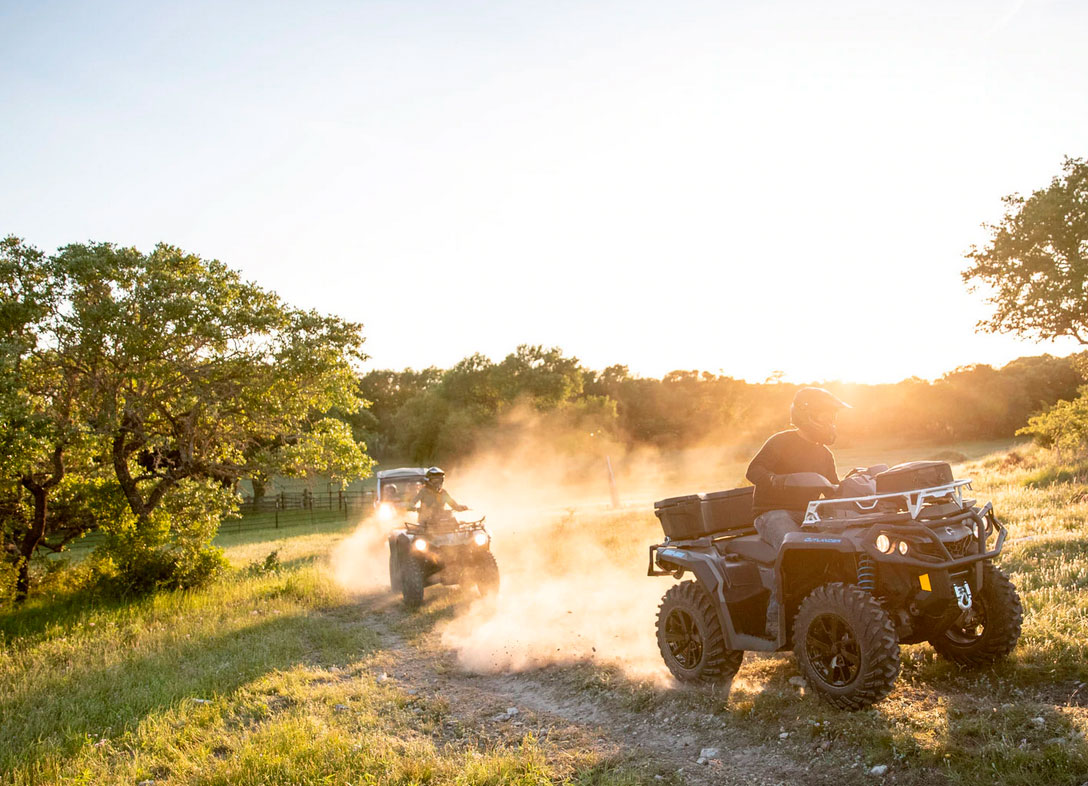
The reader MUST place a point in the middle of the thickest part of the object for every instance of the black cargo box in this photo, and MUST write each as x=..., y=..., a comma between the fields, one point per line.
x=681, y=517
x=914, y=475
x=728, y=511
x=698, y=515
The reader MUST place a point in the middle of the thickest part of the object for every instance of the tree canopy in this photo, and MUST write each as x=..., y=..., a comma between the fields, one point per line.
x=1036, y=261
x=177, y=377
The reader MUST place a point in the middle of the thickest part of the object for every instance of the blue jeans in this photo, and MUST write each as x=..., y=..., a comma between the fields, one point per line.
x=774, y=525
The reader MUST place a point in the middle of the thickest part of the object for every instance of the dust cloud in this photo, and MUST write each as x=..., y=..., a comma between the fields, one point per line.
x=573, y=569
x=360, y=562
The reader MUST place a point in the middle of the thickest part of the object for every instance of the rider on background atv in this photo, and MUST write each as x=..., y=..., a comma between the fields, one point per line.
x=432, y=499
x=780, y=509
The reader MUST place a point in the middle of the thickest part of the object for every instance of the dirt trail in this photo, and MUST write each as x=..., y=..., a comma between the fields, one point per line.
x=557, y=706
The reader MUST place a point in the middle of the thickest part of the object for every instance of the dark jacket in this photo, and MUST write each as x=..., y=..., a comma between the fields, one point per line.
x=783, y=454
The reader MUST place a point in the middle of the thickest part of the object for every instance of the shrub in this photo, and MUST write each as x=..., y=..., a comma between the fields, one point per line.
x=171, y=549
x=270, y=564
x=1063, y=427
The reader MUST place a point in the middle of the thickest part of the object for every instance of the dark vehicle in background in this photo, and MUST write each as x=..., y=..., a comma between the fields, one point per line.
x=395, y=491
x=453, y=550
x=912, y=562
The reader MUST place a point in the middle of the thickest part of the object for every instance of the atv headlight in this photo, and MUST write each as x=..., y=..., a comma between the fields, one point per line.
x=385, y=511
x=480, y=538
x=904, y=547
x=883, y=543
x=419, y=544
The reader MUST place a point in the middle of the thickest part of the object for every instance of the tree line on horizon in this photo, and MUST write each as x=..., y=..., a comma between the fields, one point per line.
x=444, y=415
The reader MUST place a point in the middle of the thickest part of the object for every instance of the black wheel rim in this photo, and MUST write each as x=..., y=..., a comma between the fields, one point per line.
x=833, y=650
x=683, y=638
x=969, y=628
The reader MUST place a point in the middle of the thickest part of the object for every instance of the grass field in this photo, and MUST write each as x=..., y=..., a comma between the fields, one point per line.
x=281, y=675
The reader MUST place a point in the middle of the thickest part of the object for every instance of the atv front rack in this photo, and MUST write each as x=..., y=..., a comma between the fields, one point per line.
x=869, y=506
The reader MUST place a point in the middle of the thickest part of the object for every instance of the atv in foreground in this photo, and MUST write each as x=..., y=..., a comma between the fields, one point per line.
x=911, y=562
x=450, y=551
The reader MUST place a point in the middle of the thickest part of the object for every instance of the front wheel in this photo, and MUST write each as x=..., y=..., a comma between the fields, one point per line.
x=690, y=637
x=412, y=582
x=394, y=568
x=988, y=630
x=487, y=574
x=846, y=646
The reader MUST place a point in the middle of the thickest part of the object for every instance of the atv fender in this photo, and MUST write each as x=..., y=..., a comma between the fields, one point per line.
x=800, y=553
x=711, y=573
x=399, y=541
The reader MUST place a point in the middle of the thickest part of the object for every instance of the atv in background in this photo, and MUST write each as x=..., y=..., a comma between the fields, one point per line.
x=910, y=562
x=456, y=549
x=396, y=489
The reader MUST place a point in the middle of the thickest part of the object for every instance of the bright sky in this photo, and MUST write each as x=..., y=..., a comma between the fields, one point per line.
x=728, y=186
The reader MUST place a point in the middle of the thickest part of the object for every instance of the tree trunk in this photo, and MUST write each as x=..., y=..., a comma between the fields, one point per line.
x=125, y=479
x=33, y=537
x=258, y=491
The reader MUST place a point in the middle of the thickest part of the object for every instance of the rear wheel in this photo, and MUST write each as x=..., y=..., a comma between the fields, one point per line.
x=690, y=637
x=988, y=630
x=846, y=646
x=412, y=582
x=487, y=574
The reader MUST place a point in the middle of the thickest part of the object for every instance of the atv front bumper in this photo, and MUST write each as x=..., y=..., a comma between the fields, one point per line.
x=924, y=548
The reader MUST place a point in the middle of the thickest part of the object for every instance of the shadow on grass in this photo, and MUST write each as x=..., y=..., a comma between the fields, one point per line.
x=87, y=700
x=39, y=615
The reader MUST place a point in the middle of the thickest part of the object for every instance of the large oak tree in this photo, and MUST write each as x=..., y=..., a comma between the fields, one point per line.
x=174, y=373
x=1036, y=260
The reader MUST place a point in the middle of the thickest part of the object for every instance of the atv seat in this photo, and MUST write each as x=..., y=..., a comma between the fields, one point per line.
x=751, y=547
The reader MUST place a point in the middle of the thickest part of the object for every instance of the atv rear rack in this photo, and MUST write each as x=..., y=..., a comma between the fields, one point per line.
x=914, y=501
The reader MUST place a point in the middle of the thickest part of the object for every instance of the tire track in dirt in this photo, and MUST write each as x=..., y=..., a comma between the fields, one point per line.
x=554, y=704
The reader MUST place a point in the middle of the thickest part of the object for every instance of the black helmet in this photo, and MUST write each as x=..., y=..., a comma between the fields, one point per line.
x=435, y=476
x=813, y=414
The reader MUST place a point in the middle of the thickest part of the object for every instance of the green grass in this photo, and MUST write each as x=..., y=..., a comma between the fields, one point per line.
x=261, y=678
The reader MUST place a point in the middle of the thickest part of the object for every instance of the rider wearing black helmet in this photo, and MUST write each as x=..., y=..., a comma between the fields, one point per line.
x=803, y=448
x=432, y=499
